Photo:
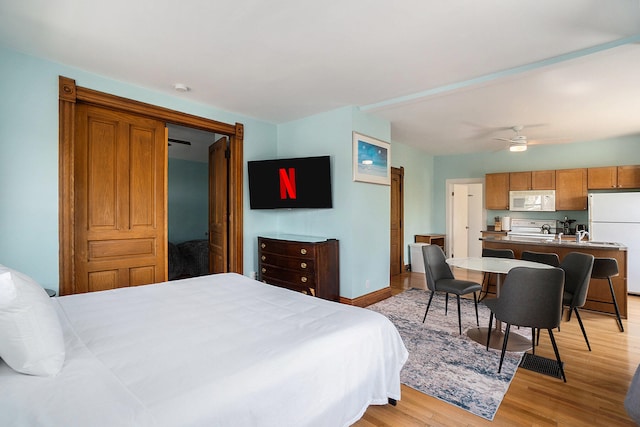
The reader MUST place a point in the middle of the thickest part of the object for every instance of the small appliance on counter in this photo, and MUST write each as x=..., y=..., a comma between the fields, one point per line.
x=567, y=226
x=533, y=228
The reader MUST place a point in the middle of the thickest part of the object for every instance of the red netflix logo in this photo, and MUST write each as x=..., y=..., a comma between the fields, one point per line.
x=287, y=183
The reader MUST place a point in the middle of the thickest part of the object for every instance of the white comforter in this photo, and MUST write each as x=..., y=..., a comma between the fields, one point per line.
x=220, y=350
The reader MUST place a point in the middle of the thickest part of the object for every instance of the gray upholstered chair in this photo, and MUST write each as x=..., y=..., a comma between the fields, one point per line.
x=632, y=399
x=577, y=268
x=606, y=268
x=486, y=279
x=548, y=258
x=529, y=297
x=440, y=279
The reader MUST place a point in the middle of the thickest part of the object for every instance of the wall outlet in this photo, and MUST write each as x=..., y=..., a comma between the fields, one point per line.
x=367, y=283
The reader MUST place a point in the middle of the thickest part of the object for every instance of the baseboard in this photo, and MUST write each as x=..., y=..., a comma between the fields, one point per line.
x=368, y=299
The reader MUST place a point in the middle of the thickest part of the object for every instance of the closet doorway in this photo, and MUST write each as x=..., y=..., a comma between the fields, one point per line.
x=72, y=96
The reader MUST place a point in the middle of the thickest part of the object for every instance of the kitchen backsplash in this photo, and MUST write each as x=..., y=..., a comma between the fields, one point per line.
x=581, y=217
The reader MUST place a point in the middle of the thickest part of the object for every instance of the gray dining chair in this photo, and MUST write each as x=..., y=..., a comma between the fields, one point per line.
x=486, y=279
x=529, y=297
x=548, y=258
x=440, y=279
x=577, y=268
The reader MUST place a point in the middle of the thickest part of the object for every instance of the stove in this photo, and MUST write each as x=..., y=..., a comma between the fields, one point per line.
x=533, y=228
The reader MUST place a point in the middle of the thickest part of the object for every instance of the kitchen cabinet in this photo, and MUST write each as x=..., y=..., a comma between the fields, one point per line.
x=301, y=263
x=571, y=189
x=496, y=195
x=608, y=177
x=519, y=181
x=543, y=180
x=532, y=180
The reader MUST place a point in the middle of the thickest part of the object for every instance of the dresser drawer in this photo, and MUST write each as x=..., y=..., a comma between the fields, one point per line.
x=293, y=249
x=291, y=263
x=297, y=278
x=292, y=286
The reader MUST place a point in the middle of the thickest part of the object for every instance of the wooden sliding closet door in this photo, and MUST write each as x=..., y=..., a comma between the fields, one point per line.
x=120, y=199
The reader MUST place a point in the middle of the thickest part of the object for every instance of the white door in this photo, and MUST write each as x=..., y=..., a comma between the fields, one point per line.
x=460, y=221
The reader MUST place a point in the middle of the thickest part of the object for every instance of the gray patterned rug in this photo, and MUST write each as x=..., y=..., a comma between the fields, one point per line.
x=444, y=364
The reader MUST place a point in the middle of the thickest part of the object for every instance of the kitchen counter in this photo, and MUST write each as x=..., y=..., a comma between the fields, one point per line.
x=599, y=295
x=565, y=241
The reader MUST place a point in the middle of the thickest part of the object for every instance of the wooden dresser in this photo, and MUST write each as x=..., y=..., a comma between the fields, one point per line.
x=302, y=263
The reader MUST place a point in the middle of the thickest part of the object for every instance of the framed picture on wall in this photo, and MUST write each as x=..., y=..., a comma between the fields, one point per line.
x=371, y=160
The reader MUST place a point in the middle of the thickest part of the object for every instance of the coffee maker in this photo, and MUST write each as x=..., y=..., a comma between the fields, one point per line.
x=566, y=226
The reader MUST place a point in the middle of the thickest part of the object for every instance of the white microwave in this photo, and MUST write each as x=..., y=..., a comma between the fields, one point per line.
x=532, y=201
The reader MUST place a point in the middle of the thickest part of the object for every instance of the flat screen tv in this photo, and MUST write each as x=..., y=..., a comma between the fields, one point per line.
x=303, y=182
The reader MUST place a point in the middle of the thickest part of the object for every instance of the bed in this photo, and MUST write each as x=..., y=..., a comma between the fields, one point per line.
x=217, y=350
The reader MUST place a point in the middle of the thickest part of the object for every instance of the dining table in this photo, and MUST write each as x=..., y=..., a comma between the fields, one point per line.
x=501, y=267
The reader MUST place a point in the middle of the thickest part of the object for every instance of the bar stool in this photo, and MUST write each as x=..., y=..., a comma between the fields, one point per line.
x=606, y=268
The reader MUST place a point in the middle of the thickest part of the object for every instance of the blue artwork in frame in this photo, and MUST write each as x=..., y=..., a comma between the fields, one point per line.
x=371, y=160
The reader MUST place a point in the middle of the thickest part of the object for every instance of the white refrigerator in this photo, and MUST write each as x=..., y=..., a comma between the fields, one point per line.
x=615, y=217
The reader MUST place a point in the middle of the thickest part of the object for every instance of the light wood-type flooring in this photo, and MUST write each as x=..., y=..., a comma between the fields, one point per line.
x=593, y=395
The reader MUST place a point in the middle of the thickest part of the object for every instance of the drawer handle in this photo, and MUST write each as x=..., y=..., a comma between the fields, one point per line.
x=264, y=257
x=263, y=245
x=303, y=279
x=303, y=251
x=303, y=265
x=264, y=270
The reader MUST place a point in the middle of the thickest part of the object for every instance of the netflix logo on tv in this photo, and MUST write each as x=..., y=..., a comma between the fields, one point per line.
x=303, y=182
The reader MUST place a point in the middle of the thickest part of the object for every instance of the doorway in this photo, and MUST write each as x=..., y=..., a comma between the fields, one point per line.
x=70, y=96
x=466, y=217
x=397, y=222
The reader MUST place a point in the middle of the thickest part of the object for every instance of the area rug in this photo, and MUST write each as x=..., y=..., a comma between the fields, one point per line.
x=444, y=364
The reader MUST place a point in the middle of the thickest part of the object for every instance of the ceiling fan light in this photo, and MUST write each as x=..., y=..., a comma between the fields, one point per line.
x=518, y=147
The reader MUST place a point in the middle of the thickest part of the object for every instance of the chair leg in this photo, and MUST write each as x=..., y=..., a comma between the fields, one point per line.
x=555, y=349
x=428, y=305
x=489, y=331
x=446, y=303
x=459, y=316
x=485, y=286
x=475, y=302
x=504, y=345
x=533, y=340
x=582, y=327
x=615, y=305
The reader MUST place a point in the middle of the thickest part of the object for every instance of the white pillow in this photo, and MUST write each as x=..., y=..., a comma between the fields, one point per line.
x=31, y=340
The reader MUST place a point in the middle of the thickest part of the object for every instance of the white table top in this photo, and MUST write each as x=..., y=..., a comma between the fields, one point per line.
x=493, y=265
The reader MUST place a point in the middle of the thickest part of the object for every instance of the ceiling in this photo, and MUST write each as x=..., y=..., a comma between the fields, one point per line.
x=450, y=76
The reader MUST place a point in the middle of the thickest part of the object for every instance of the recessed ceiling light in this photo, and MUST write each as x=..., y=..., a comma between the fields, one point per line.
x=181, y=87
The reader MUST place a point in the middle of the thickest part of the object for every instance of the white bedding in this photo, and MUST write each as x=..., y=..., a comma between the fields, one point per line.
x=219, y=350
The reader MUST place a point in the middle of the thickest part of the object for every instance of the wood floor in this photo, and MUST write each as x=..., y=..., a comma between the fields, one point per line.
x=593, y=395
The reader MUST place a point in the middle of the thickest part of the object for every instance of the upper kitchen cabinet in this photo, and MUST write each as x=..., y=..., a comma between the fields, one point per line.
x=543, y=180
x=606, y=178
x=519, y=181
x=496, y=194
x=571, y=189
x=534, y=180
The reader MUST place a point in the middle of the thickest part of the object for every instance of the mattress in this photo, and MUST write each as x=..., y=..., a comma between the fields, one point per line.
x=217, y=350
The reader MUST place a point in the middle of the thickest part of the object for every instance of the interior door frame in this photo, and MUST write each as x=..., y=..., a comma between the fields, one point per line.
x=68, y=96
x=449, y=183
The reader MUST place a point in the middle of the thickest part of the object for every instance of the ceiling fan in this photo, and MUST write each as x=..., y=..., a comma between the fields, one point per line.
x=517, y=142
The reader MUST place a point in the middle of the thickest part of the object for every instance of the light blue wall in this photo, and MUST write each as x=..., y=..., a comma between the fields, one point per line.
x=187, y=200
x=360, y=214
x=418, y=192
x=29, y=157
x=618, y=151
